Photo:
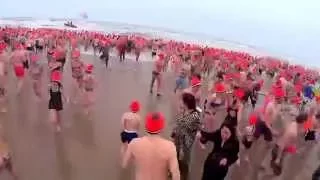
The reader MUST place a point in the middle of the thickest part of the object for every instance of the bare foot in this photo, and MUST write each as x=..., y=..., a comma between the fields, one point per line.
x=58, y=128
x=3, y=110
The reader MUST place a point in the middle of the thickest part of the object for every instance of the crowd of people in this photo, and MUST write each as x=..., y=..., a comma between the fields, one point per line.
x=238, y=81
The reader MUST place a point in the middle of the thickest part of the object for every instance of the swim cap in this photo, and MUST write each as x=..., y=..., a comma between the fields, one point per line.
x=135, y=106
x=195, y=81
x=34, y=58
x=278, y=92
x=56, y=76
x=239, y=93
x=89, y=68
x=154, y=123
x=161, y=56
x=219, y=88
x=75, y=54
x=253, y=118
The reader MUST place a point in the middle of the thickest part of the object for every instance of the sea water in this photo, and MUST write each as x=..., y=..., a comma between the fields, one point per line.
x=112, y=27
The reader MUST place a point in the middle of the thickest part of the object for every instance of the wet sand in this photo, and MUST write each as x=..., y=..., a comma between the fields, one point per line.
x=89, y=148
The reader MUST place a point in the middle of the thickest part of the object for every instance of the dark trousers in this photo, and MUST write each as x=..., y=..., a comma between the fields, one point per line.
x=106, y=59
x=316, y=174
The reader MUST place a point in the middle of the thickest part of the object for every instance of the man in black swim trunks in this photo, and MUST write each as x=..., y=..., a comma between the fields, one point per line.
x=130, y=124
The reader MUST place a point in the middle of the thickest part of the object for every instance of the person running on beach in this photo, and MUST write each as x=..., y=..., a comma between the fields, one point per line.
x=61, y=54
x=55, y=101
x=105, y=54
x=287, y=143
x=154, y=156
x=18, y=58
x=5, y=156
x=89, y=84
x=182, y=82
x=3, y=79
x=157, y=74
x=36, y=72
x=77, y=70
x=263, y=120
x=130, y=123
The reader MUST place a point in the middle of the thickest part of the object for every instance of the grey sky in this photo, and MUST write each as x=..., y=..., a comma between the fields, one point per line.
x=288, y=27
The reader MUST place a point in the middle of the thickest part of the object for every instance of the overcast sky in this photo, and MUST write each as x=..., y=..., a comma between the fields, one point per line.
x=287, y=27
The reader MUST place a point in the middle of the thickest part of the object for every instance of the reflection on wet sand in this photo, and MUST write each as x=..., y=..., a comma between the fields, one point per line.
x=90, y=148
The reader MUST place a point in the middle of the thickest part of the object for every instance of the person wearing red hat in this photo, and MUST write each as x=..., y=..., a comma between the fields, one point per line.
x=105, y=53
x=5, y=156
x=183, y=77
x=61, y=53
x=235, y=108
x=153, y=151
x=77, y=71
x=18, y=58
x=287, y=142
x=195, y=89
x=130, y=125
x=39, y=45
x=36, y=71
x=157, y=75
x=89, y=83
x=55, y=102
x=4, y=65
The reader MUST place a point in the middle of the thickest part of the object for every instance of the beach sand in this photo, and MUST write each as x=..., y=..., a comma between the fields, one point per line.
x=89, y=149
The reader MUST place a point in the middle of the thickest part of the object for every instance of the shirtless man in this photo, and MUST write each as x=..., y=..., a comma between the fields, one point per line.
x=154, y=156
x=287, y=142
x=5, y=157
x=183, y=78
x=265, y=119
x=3, y=79
x=105, y=54
x=19, y=56
x=36, y=71
x=157, y=74
x=130, y=125
x=39, y=45
x=89, y=84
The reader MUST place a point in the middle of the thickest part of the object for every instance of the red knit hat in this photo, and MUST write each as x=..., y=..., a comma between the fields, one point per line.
x=195, y=81
x=253, y=118
x=56, y=76
x=219, y=88
x=75, y=53
x=154, y=123
x=161, y=56
x=89, y=68
x=239, y=93
x=279, y=92
x=135, y=106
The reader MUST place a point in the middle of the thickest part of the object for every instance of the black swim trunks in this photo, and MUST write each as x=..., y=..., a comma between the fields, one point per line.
x=127, y=137
x=7, y=163
x=153, y=53
x=26, y=64
x=155, y=73
x=30, y=48
x=2, y=92
x=39, y=47
x=262, y=129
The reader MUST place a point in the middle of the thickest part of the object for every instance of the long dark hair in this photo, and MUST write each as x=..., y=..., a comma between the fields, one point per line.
x=232, y=129
x=189, y=101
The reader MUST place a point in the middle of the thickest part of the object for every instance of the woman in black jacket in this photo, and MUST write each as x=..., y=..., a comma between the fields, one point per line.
x=224, y=153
